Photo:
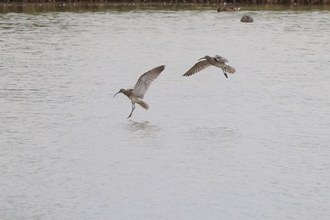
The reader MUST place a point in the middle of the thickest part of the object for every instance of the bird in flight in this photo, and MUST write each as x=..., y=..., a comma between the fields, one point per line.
x=137, y=92
x=207, y=61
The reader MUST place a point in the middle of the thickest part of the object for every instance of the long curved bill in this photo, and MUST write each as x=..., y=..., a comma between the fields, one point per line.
x=116, y=94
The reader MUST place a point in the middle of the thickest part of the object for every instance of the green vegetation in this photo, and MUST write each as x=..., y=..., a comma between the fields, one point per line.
x=32, y=6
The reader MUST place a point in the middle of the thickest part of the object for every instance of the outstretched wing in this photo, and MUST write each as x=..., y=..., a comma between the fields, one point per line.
x=145, y=80
x=197, y=67
x=220, y=59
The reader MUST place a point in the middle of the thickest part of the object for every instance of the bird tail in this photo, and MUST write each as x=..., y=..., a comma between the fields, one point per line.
x=230, y=69
x=143, y=104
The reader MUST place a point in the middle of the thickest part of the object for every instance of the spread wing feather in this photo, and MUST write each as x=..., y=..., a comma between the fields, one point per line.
x=197, y=67
x=145, y=80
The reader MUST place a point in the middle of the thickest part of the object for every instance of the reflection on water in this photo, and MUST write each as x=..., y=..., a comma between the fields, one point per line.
x=144, y=126
x=219, y=136
x=253, y=146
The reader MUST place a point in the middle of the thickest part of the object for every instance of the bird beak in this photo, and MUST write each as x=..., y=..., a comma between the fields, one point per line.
x=116, y=94
x=201, y=58
x=226, y=75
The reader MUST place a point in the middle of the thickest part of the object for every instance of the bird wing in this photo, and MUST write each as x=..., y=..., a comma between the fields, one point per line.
x=197, y=67
x=145, y=80
x=220, y=59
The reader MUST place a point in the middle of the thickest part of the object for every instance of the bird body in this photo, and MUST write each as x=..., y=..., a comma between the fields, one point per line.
x=207, y=61
x=247, y=18
x=137, y=93
x=132, y=96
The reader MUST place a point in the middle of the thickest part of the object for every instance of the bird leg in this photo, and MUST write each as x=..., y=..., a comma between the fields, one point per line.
x=225, y=73
x=133, y=107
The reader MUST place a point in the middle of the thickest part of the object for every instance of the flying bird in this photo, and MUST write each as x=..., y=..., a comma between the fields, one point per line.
x=137, y=92
x=207, y=61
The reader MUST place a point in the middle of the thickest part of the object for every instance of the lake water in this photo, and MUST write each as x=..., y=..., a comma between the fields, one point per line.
x=253, y=146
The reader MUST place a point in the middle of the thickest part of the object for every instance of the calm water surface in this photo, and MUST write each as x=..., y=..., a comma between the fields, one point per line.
x=254, y=146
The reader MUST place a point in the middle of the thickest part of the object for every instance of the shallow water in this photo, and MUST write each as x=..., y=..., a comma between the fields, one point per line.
x=253, y=146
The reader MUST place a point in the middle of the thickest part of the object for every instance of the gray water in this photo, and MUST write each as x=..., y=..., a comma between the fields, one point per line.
x=253, y=146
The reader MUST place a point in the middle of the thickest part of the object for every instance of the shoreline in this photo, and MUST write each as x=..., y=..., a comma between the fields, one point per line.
x=23, y=3
x=19, y=7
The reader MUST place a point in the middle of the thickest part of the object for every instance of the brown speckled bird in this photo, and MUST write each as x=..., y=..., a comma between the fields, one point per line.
x=137, y=92
x=217, y=61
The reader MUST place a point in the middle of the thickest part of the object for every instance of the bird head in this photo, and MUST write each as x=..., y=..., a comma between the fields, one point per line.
x=120, y=91
x=206, y=57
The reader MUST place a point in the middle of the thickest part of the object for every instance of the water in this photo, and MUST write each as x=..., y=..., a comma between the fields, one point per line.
x=254, y=146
